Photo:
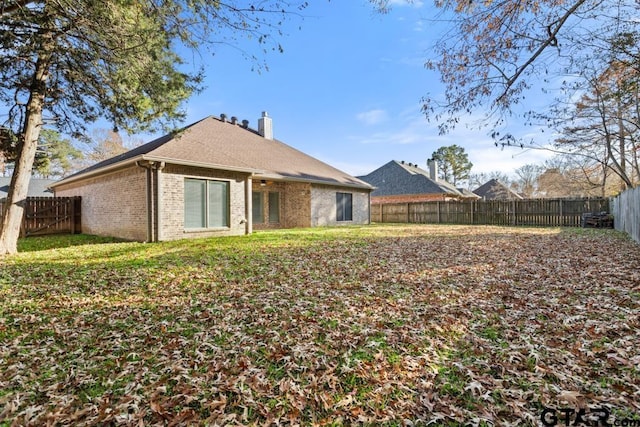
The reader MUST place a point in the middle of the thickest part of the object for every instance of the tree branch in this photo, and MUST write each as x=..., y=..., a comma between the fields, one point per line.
x=550, y=41
x=12, y=7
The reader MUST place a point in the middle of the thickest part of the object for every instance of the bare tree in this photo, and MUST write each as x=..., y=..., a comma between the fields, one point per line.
x=526, y=183
x=496, y=53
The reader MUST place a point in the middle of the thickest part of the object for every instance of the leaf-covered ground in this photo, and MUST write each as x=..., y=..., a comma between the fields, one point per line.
x=382, y=325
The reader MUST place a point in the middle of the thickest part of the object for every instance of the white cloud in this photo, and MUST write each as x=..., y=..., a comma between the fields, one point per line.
x=412, y=3
x=415, y=138
x=372, y=117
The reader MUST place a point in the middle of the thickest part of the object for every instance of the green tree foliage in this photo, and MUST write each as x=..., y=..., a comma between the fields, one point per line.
x=66, y=63
x=453, y=163
x=56, y=155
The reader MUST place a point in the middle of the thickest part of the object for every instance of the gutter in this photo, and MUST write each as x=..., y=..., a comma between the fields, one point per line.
x=363, y=186
x=144, y=158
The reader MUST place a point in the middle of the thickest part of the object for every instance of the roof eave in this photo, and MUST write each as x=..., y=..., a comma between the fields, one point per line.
x=147, y=158
x=278, y=177
x=89, y=174
x=247, y=170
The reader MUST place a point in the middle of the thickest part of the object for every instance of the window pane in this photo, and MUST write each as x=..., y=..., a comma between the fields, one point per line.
x=344, y=207
x=194, y=203
x=348, y=207
x=257, y=207
x=218, y=204
x=339, y=207
x=274, y=207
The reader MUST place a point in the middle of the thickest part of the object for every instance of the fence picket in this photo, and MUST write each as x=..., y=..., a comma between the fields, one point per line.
x=535, y=212
x=626, y=210
x=50, y=215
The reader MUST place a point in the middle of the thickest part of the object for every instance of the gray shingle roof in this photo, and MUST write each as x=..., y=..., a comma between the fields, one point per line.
x=398, y=178
x=37, y=187
x=214, y=143
x=495, y=190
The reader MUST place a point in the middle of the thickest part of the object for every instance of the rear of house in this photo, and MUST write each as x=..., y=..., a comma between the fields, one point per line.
x=215, y=177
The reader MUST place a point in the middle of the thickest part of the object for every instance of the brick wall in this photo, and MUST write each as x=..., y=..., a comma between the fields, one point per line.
x=323, y=206
x=113, y=204
x=295, y=204
x=172, y=202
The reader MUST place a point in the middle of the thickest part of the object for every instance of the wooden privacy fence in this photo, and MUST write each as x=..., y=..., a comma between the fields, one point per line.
x=626, y=209
x=49, y=215
x=536, y=212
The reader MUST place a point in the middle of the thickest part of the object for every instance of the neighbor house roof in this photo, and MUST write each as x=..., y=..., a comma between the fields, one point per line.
x=37, y=187
x=468, y=193
x=218, y=144
x=495, y=190
x=400, y=178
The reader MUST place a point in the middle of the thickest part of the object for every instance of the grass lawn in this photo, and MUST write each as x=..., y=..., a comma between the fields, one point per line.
x=382, y=325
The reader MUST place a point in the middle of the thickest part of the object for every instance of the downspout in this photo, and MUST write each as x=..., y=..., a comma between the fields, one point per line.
x=369, y=197
x=248, y=196
x=149, y=191
x=158, y=200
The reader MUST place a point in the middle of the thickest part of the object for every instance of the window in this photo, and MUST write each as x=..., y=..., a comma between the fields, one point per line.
x=344, y=204
x=274, y=207
x=257, y=207
x=206, y=203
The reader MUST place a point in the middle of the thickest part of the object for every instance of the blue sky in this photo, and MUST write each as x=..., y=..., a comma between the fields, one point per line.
x=347, y=89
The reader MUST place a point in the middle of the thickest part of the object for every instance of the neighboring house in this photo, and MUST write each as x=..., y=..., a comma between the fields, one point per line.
x=214, y=177
x=401, y=182
x=495, y=190
x=468, y=194
x=37, y=187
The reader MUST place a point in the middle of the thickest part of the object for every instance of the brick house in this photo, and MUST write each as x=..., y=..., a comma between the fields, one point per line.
x=215, y=177
x=401, y=182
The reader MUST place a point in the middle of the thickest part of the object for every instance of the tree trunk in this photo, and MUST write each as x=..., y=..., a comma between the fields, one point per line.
x=18, y=189
x=621, y=145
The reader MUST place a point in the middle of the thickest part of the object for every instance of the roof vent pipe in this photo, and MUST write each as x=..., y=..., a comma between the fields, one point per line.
x=223, y=118
x=234, y=120
x=245, y=124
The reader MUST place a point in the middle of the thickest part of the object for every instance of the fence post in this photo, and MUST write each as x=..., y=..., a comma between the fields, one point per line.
x=408, y=213
x=472, y=206
x=72, y=214
x=438, y=216
x=513, y=204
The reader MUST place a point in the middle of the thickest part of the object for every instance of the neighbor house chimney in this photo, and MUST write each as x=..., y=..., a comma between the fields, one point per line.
x=433, y=169
x=265, y=126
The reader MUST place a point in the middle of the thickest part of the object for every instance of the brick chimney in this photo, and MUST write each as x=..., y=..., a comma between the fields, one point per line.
x=265, y=126
x=433, y=169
